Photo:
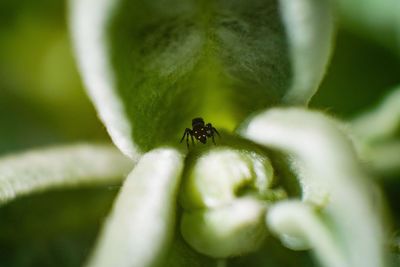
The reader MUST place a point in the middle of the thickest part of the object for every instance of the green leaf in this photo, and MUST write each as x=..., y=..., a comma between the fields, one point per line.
x=383, y=158
x=379, y=123
x=224, y=197
x=140, y=227
x=151, y=66
x=56, y=167
x=230, y=230
x=300, y=227
x=196, y=58
x=309, y=25
x=222, y=174
x=332, y=180
x=377, y=133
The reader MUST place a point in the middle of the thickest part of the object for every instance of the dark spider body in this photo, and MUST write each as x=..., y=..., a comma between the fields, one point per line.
x=200, y=131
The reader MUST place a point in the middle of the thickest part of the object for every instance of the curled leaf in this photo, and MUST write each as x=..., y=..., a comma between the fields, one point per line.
x=231, y=230
x=300, y=227
x=225, y=196
x=325, y=162
x=218, y=177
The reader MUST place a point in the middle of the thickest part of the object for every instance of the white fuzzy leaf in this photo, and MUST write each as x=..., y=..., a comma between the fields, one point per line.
x=300, y=227
x=381, y=122
x=375, y=135
x=141, y=224
x=309, y=26
x=62, y=166
x=327, y=167
x=88, y=21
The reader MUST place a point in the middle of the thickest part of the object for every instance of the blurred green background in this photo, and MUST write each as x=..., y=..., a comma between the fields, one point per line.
x=41, y=96
x=42, y=102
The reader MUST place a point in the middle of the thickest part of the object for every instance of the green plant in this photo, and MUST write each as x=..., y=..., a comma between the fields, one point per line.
x=279, y=170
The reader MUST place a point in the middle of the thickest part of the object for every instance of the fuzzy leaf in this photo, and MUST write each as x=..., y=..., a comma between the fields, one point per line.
x=377, y=133
x=151, y=66
x=300, y=227
x=54, y=167
x=224, y=198
x=331, y=179
x=309, y=25
x=141, y=225
x=379, y=123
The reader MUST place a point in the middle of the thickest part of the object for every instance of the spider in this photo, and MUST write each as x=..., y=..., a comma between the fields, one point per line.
x=200, y=131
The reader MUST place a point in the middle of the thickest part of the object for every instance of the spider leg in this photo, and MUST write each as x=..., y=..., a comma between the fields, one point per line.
x=212, y=137
x=186, y=134
x=192, y=139
x=212, y=131
x=215, y=130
